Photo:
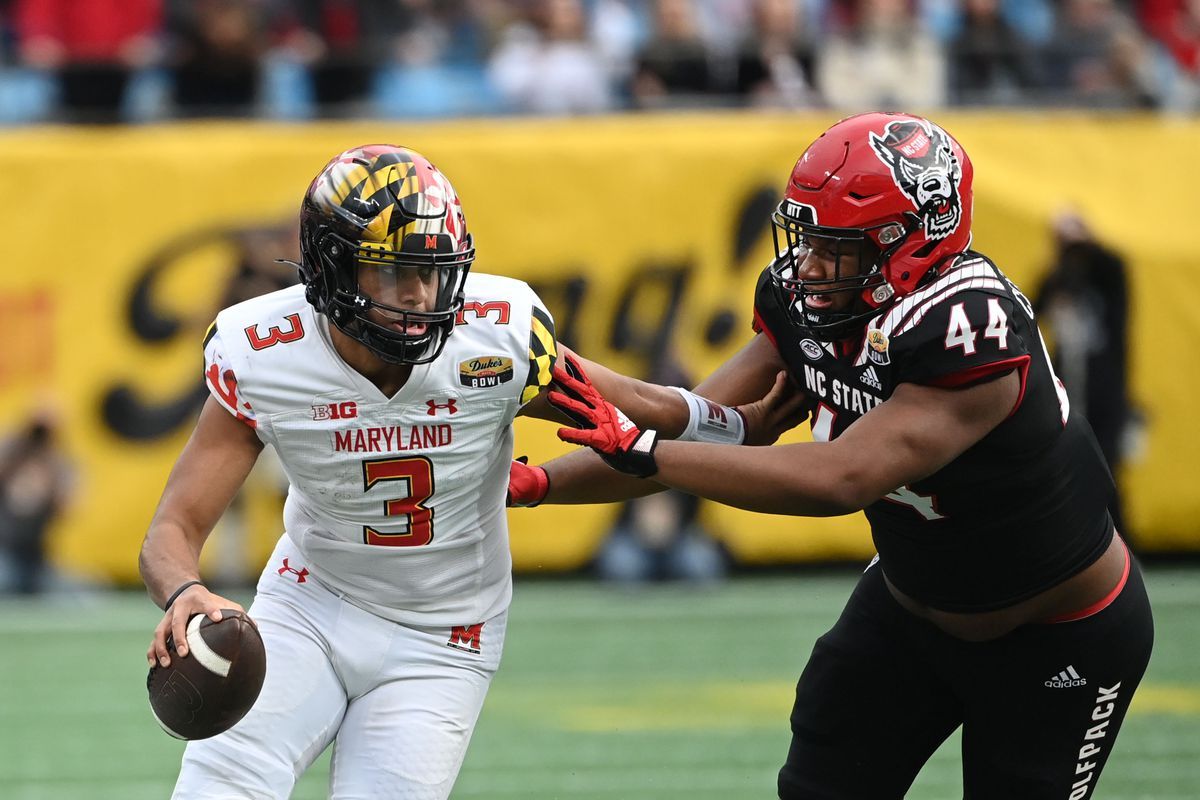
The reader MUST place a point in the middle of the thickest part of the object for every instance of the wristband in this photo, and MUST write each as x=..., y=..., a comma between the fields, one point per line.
x=175, y=594
x=711, y=422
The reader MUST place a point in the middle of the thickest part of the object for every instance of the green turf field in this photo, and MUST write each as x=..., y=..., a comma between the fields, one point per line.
x=665, y=693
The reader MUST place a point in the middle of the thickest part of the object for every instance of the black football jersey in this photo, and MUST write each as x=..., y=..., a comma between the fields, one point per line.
x=1018, y=511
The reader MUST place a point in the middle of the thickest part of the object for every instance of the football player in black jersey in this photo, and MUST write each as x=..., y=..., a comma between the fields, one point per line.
x=1002, y=599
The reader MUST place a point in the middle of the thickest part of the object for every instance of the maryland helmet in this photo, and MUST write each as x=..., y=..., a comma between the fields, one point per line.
x=385, y=209
x=893, y=191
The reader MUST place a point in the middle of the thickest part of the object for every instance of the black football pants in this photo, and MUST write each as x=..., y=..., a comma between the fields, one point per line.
x=1040, y=707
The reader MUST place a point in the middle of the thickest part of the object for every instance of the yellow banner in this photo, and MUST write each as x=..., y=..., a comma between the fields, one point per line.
x=639, y=232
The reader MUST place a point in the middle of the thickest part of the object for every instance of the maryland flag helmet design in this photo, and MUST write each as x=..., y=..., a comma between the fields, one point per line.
x=374, y=215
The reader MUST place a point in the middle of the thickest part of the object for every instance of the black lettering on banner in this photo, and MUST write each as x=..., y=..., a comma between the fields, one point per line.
x=134, y=414
x=564, y=297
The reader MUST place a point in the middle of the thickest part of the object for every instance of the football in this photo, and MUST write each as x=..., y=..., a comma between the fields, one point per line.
x=215, y=684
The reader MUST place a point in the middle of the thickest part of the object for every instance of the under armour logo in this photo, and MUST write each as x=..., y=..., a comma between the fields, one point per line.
x=449, y=405
x=301, y=574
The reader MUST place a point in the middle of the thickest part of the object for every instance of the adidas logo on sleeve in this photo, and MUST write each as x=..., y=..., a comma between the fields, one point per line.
x=1066, y=679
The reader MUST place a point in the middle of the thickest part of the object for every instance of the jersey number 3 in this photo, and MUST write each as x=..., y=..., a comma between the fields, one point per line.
x=418, y=474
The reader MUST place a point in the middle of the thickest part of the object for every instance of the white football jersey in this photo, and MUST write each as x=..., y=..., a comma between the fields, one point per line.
x=396, y=503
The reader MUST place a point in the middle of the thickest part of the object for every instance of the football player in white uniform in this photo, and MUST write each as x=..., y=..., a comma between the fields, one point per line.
x=387, y=384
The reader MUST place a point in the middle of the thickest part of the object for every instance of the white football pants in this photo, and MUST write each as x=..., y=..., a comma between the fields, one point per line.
x=398, y=702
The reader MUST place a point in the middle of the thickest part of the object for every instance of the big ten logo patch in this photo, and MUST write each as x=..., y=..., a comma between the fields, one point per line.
x=466, y=637
x=344, y=410
x=483, y=372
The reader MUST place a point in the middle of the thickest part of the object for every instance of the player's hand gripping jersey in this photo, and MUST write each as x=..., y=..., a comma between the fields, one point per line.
x=967, y=325
x=398, y=503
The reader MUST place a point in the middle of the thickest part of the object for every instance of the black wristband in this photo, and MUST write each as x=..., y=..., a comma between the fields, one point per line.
x=175, y=594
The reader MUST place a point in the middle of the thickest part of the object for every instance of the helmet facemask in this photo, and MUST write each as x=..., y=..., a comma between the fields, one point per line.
x=362, y=273
x=818, y=307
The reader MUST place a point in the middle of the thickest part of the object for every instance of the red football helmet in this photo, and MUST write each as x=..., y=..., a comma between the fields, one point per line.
x=894, y=189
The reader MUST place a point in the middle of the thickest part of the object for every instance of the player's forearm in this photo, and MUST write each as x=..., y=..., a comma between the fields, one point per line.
x=649, y=405
x=786, y=479
x=581, y=477
x=168, y=559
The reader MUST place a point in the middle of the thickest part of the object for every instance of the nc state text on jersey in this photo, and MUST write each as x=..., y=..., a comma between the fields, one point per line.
x=838, y=393
x=393, y=438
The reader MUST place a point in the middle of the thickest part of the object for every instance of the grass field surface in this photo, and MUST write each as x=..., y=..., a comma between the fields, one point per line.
x=661, y=693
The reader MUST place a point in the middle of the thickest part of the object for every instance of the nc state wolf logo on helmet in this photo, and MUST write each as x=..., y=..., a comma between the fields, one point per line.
x=925, y=168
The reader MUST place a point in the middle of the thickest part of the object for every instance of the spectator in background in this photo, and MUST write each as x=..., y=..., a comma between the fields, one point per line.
x=774, y=64
x=1032, y=19
x=658, y=538
x=1084, y=298
x=92, y=46
x=1097, y=57
x=1175, y=24
x=216, y=57
x=350, y=46
x=258, y=269
x=990, y=63
x=8, y=35
x=880, y=56
x=618, y=34
x=545, y=64
x=35, y=484
x=342, y=42
x=673, y=66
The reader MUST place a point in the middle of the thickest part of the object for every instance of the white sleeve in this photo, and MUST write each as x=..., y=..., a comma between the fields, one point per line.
x=220, y=379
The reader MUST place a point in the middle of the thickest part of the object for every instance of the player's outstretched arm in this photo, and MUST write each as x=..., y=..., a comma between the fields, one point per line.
x=207, y=475
x=658, y=407
x=917, y=431
x=753, y=380
x=580, y=476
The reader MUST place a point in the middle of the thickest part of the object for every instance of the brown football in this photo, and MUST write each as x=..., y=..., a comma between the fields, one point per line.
x=215, y=684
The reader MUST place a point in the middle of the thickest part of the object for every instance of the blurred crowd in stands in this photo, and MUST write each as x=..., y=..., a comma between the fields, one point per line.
x=139, y=60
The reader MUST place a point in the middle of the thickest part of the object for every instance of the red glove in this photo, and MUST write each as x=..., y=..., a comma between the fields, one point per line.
x=602, y=426
x=527, y=486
